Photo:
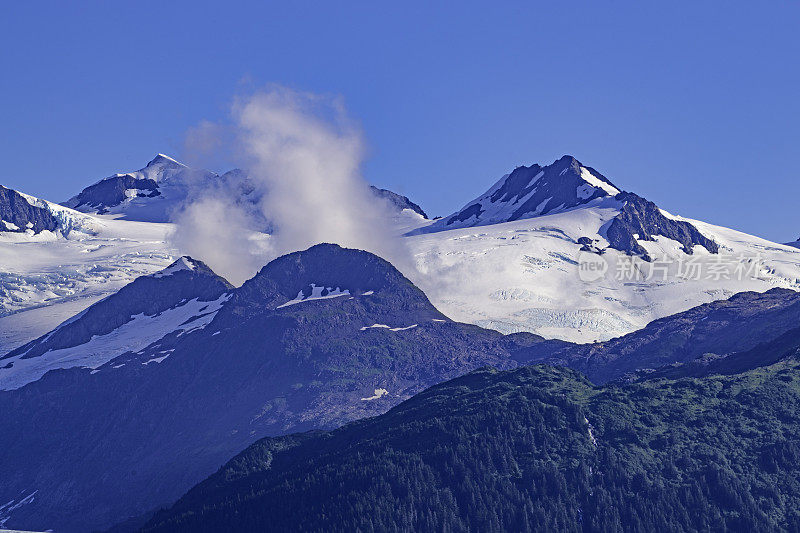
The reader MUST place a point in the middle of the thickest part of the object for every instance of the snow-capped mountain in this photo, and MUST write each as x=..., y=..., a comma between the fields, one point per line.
x=17, y=214
x=530, y=192
x=502, y=266
x=514, y=259
x=119, y=229
x=315, y=339
x=155, y=192
x=29, y=216
x=795, y=244
x=65, y=261
x=184, y=296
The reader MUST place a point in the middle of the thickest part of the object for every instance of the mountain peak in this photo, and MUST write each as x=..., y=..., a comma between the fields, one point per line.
x=185, y=263
x=566, y=160
x=533, y=191
x=164, y=160
x=397, y=200
x=332, y=267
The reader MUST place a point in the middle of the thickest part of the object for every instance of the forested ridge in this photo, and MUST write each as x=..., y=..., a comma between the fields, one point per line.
x=533, y=448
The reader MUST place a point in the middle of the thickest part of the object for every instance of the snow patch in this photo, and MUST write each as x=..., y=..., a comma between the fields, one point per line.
x=384, y=326
x=133, y=336
x=378, y=394
x=181, y=265
x=594, y=181
x=11, y=506
x=318, y=292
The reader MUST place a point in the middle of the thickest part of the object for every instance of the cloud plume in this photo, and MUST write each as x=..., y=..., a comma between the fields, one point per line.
x=303, y=157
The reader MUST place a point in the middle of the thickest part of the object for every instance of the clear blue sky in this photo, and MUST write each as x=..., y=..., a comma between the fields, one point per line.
x=694, y=105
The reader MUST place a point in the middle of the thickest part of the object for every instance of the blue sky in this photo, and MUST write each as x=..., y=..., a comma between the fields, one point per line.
x=693, y=105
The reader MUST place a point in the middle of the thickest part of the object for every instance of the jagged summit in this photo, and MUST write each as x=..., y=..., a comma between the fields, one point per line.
x=566, y=185
x=530, y=191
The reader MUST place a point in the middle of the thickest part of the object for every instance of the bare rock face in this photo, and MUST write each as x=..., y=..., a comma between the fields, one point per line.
x=19, y=215
x=532, y=191
x=640, y=219
x=400, y=202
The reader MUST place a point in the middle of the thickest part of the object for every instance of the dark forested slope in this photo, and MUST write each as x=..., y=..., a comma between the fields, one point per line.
x=533, y=448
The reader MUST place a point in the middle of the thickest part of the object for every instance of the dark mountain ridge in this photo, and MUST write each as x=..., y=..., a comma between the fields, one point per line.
x=722, y=327
x=114, y=442
x=185, y=279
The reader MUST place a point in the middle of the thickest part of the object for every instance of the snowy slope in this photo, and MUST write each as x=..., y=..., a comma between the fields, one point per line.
x=185, y=296
x=512, y=263
x=524, y=275
x=49, y=276
x=561, y=251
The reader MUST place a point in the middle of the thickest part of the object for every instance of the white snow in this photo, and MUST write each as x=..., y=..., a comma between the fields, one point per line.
x=175, y=182
x=139, y=332
x=156, y=359
x=594, y=181
x=316, y=294
x=523, y=275
x=515, y=276
x=378, y=394
x=181, y=265
x=384, y=326
x=48, y=277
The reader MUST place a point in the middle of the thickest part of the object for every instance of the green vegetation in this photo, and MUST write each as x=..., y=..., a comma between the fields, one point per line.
x=537, y=448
